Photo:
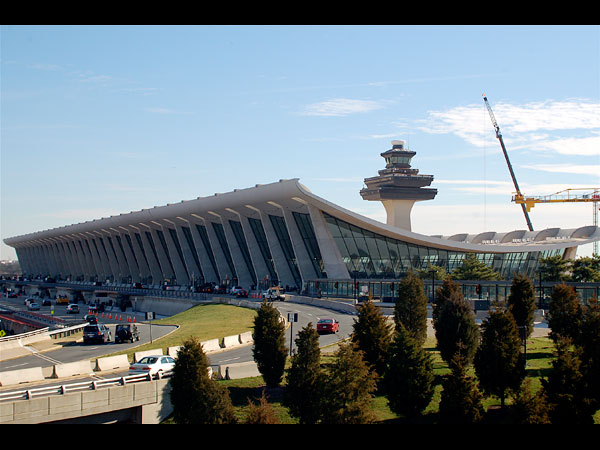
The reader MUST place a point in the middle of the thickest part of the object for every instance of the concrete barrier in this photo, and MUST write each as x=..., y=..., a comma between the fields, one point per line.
x=246, y=338
x=238, y=370
x=72, y=369
x=231, y=341
x=172, y=351
x=139, y=355
x=112, y=362
x=11, y=377
x=211, y=345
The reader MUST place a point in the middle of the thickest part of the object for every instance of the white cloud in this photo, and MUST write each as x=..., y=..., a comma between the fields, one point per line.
x=567, y=168
x=341, y=107
x=532, y=125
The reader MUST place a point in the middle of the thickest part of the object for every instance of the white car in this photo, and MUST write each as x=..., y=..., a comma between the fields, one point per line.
x=33, y=306
x=156, y=365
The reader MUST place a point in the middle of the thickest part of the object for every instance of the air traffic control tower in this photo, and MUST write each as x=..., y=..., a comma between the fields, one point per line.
x=398, y=186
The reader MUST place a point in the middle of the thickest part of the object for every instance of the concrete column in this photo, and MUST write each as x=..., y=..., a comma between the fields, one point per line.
x=398, y=213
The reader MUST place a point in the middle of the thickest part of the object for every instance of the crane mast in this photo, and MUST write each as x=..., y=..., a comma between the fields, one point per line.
x=512, y=174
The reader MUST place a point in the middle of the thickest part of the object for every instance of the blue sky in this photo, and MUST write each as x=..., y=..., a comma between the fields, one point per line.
x=103, y=120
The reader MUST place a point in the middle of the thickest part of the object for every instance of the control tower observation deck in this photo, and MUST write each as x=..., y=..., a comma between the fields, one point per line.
x=398, y=186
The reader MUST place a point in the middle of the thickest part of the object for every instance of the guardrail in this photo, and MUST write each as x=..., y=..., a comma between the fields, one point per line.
x=28, y=394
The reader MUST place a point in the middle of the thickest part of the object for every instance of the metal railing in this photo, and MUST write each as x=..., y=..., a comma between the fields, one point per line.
x=28, y=394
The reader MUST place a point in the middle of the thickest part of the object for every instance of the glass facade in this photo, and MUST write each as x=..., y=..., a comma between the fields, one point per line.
x=286, y=245
x=238, y=232
x=310, y=243
x=376, y=256
x=261, y=239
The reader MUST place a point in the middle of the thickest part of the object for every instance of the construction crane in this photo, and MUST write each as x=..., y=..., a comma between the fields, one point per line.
x=566, y=196
x=512, y=174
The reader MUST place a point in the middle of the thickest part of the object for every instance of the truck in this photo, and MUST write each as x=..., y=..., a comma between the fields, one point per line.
x=273, y=294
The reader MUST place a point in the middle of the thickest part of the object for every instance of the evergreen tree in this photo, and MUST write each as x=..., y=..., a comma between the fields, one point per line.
x=499, y=363
x=564, y=313
x=570, y=403
x=521, y=302
x=372, y=334
x=530, y=408
x=454, y=324
x=439, y=272
x=555, y=268
x=410, y=310
x=474, y=269
x=586, y=269
x=269, y=349
x=408, y=379
x=443, y=293
x=305, y=379
x=461, y=401
x=349, y=388
x=196, y=398
x=589, y=342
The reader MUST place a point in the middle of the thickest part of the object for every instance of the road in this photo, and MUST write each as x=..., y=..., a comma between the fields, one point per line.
x=78, y=351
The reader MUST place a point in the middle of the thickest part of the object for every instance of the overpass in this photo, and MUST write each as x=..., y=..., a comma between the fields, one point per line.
x=133, y=399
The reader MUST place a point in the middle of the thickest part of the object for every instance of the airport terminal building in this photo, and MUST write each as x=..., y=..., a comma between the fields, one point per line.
x=280, y=233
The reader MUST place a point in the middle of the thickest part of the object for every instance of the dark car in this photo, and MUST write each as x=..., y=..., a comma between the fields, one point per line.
x=91, y=319
x=328, y=326
x=46, y=302
x=242, y=293
x=126, y=332
x=96, y=333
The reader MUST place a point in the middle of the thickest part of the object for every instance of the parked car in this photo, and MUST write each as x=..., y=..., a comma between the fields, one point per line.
x=96, y=333
x=72, y=308
x=126, y=332
x=33, y=306
x=328, y=325
x=156, y=366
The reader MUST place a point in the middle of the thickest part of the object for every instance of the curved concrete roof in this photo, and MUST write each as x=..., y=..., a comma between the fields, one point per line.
x=292, y=194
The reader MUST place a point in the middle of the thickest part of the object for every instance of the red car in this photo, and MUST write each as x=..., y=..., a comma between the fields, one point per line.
x=328, y=326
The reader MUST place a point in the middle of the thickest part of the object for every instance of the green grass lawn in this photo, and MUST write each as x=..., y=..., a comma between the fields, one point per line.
x=206, y=322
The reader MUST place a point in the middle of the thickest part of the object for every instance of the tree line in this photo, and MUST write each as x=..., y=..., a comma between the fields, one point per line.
x=387, y=357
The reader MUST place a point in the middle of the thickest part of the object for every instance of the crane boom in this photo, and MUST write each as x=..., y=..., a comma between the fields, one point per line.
x=512, y=174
